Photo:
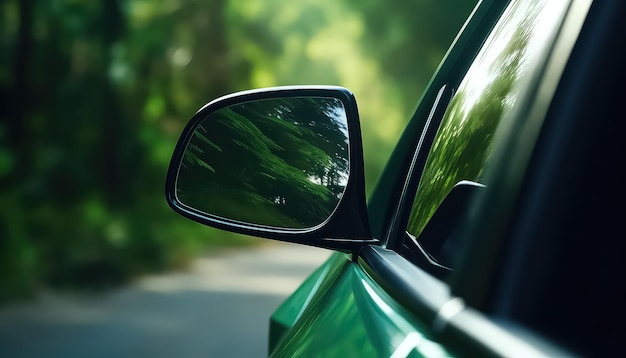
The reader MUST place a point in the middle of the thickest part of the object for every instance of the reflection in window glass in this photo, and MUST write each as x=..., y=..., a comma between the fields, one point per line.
x=463, y=144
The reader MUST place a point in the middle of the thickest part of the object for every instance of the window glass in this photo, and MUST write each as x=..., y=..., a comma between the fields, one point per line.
x=465, y=139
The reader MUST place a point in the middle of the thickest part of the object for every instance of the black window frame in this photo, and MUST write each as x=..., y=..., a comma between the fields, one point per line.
x=385, y=202
x=395, y=190
x=397, y=238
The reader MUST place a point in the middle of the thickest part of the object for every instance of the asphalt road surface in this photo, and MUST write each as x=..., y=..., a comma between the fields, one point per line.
x=219, y=308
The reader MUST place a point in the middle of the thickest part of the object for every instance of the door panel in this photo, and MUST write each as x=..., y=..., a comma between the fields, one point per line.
x=292, y=309
x=350, y=314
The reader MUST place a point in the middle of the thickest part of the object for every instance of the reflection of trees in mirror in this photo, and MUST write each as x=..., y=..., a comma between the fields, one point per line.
x=278, y=162
x=464, y=142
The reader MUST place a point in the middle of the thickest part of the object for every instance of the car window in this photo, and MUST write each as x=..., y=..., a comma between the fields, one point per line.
x=466, y=138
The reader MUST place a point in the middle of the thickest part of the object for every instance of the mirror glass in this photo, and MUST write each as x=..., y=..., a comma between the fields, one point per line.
x=279, y=162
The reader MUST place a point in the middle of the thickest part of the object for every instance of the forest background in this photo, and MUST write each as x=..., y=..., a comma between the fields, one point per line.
x=93, y=96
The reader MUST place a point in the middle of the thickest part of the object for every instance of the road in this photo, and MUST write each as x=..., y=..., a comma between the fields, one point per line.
x=219, y=308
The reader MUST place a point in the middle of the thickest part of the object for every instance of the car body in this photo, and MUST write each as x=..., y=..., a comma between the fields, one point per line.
x=495, y=227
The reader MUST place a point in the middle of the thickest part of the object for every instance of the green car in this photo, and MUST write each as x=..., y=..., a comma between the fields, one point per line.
x=495, y=229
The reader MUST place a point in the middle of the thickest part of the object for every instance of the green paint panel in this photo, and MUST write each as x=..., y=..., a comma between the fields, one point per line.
x=289, y=311
x=347, y=314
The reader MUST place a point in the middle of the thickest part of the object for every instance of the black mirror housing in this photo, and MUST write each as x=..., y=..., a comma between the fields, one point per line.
x=342, y=226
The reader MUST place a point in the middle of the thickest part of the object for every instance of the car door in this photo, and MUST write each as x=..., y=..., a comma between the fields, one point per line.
x=475, y=241
x=407, y=297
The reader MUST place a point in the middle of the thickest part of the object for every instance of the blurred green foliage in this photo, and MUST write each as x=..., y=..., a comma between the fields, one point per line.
x=95, y=93
x=278, y=162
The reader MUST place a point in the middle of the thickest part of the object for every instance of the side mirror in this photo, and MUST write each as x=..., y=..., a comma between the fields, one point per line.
x=284, y=163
